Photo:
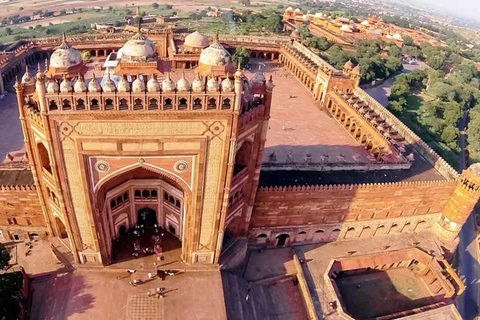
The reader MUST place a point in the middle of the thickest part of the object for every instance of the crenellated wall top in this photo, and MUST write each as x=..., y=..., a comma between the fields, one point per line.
x=18, y=188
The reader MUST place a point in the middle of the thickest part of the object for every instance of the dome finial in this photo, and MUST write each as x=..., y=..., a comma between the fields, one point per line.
x=39, y=69
x=46, y=63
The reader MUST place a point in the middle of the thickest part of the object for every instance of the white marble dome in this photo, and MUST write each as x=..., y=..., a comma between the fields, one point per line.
x=183, y=84
x=168, y=84
x=66, y=85
x=94, y=85
x=139, y=49
x=53, y=87
x=138, y=85
x=227, y=85
x=212, y=84
x=153, y=85
x=109, y=85
x=80, y=85
x=27, y=78
x=65, y=56
x=123, y=85
x=196, y=40
x=215, y=55
x=197, y=84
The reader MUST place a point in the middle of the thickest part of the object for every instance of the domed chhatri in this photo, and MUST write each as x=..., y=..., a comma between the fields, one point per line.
x=195, y=42
x=153, y=85
x=183, y=84
x=138, y=85
x=139, y=49
x=94, y=85
x=80, y=85
x=108, y=85
x=65, y=60
x=227, y=85
x=197, y=84
x=212, y=84
x=123, y=85
x=66, y=85
x=53, y=87
x=28, y=79
x=168, y=84
x=215, y=60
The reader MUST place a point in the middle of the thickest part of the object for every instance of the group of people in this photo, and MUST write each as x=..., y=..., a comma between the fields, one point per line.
x=156, y=238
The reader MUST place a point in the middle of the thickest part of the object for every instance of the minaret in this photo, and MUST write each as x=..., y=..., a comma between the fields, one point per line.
x=456, y=212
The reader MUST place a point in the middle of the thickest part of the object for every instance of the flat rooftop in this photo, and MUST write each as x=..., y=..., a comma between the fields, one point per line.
x=298, y=126
x=16, y=177
x=421, y=170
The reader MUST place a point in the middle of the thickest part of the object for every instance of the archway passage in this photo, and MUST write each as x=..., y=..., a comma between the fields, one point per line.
x=143, y=217
x=62, y=230
x=147, y=217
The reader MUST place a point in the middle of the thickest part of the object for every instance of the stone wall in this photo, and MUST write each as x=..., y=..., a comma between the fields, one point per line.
x=20, y=213
x=327, y=213
x=415, y=141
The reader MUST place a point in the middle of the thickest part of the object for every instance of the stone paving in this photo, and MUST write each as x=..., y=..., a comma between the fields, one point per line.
x=141, y=307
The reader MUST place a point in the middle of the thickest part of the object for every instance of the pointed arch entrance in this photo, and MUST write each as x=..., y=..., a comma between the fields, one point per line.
x=143, y=203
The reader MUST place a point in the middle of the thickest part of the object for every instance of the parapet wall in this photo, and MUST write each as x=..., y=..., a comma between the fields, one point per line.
x=317, y=205
x=21, y=203
x=411, y=138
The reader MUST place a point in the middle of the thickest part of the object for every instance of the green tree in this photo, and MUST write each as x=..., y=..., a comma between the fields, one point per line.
x=8, y=31
x=393, y=65
x=86, y=55
x=449, y=134
x=303, y=31
x=398, y=105
x=155, y=5
x=435, y=61
x=241, y=56
x=411, y=51
x=407, y=40
x=442, y=91
x=63, y=12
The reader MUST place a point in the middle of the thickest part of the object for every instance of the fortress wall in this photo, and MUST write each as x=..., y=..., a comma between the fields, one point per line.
x=294, y=206
x=20, y=202
x=415, y=141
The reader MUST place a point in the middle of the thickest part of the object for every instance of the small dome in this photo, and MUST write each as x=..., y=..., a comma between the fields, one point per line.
x=183, y=84
x=348, y=65
x=66, y=85
x=346, y=28
x=27, y=78
x=298, y=11
x=94, y=85
x=356, y=70
x=80, y=85
x=365, y=23
x=153, y=85
x=215, y=55
x=123, y=85
x=289, y=9
x=108, y=85
x=168, y=84
x=212, y=84
x=196, y=40
x=197, y=84
x=138, y=85
x=53, y=87
x=258, y=79
x=227, y=85
x=65, y=56
x=397, y=36
x=139, y=49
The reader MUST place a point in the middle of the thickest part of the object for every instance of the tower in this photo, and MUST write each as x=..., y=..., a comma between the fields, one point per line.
x=460, y=205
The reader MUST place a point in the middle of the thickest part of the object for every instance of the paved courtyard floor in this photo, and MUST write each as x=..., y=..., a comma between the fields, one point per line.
x=102, y=296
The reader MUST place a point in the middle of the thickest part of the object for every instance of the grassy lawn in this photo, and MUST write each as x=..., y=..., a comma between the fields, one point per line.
x=411, y=118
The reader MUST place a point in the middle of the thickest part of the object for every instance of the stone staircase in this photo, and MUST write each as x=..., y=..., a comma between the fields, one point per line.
x=259, y=305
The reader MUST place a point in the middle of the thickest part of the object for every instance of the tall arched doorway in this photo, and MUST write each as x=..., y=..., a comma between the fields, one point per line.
x=147, y=217
x=62, y=230
x=140, y=206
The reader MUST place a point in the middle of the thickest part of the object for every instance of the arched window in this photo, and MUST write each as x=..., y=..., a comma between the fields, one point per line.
x=138, y=194
x=94, y=104
x=80, y=104
x=145, y=194
x=177, y=203
x=242, y=157
x=167, y=104
x=112, y=203
x=123, y=104
x=29, y=221
x=108, y=104
x=165, y=196
x=14, y=220
x=125, y=196
x=153, y=105
x=262, y=238
x=138, y=105
x=282, y=239
x=119, y=199
x=171, y=200
x=182, y=104
x=212, y=104
x=52, y=105
x=154, y=194
x=197, y=104
x=226, y=104
x=66, y=104
x=44, y=157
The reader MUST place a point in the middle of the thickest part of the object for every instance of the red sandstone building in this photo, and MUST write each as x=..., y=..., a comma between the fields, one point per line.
x=210, y=155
